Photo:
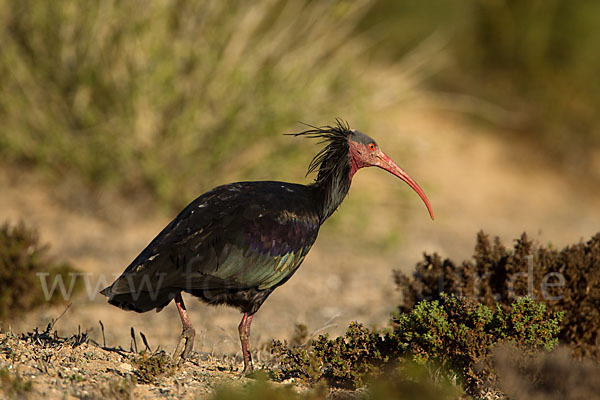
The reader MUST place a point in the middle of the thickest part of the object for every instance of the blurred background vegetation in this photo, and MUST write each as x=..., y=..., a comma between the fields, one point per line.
x=530, y=66
x=165, y=99
x=169, y=98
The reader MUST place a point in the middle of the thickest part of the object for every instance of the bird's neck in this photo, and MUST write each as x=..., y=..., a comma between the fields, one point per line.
x=332, y=190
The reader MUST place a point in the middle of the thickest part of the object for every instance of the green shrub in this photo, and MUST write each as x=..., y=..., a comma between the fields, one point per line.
x=453, y=336
x=345, y=361
x=459, y=334
x=497, y=275
x=22, y=257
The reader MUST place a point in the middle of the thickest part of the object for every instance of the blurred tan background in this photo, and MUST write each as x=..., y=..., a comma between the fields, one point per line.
x=114, y=115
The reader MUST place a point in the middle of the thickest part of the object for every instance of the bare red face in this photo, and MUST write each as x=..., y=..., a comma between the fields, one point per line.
x=364, y=152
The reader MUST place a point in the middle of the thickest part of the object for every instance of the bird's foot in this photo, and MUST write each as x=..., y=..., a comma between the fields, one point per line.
x=185, y=345
x=248, y=371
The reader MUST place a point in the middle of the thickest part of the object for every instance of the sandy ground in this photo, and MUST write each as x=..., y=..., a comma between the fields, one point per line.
x=474, y=179
x=86, y=371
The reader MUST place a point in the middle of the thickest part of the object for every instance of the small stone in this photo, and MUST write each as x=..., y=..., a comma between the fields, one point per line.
x=125, y=366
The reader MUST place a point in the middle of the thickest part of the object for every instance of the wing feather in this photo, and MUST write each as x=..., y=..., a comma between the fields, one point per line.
x=238, y=236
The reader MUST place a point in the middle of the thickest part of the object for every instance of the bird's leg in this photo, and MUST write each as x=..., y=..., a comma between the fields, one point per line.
x=244, y=330
x=187, y=334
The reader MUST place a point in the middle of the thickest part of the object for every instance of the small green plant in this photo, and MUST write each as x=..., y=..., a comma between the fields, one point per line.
x=75, y=378
x=13, y=385
x=22, y=258
x=151, y=366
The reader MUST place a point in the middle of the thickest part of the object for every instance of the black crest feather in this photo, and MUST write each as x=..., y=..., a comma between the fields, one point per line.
x=334, y=157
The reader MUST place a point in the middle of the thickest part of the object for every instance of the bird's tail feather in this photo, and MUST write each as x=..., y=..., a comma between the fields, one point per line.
x=141, y=301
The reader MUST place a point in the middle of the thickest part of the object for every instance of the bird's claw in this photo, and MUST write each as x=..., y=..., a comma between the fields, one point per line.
x=247, y=372
x=185, y=345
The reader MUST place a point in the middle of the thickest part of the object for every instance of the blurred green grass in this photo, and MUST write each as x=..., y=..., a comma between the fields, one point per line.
x=164, y=100
x=170, y=98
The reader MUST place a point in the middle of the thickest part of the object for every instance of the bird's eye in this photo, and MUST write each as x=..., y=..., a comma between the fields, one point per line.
x=371, y=146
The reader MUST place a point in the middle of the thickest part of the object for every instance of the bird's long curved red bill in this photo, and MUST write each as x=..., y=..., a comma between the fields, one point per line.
x=389, y=165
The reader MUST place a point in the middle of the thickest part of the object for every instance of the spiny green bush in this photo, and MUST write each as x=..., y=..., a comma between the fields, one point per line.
x=566, y=280
x=152, y=97
x=454, y=335
x=22, y=257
